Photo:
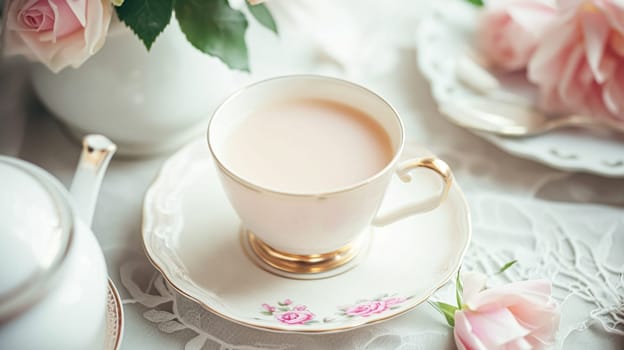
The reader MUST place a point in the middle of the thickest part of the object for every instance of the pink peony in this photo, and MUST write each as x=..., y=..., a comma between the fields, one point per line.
x=294, y=316
x=366, y=308
x=520, y=315
x=57, y=33
x=509, y=30
x=579, y=64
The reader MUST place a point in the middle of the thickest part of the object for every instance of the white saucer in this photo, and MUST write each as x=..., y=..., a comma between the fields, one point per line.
x=191, y=234
x=114, y=318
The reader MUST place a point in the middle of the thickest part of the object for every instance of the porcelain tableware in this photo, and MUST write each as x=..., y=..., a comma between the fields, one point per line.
x=506, y=113
x=53, y=280
x=193, y=236
x=444, y=39
x=313, y=233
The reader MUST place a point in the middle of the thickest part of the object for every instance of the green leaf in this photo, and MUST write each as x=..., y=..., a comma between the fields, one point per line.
x=146, y=18
x=213, y=27
x=459, y=289
x=507, y=265
x=268, y=313
x=478, y=3
x=262, y=14
x=447, y=310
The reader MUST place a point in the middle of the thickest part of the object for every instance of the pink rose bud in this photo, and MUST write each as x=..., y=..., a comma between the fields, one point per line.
x=57, y=33
x=509, y=30
x=579, y=63
x=287, y=302
x=268, y=307
x=520, y=315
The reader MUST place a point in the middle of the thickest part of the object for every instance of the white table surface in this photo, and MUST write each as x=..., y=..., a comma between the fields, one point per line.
x=563, y=226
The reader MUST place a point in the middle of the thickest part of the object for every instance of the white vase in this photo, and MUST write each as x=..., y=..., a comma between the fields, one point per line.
x=147, y=103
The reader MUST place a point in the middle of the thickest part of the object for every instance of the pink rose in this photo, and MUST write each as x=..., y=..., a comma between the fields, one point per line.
x=366, y=308
x=300, y=308
x=294, y=316
x=579, y=64
x=57, y=33
x=520, y=315
x=509, y=30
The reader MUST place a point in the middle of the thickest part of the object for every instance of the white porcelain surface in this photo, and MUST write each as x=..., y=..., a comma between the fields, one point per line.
x=31, y=228
x=445, y=35
x=145, y=102
x=306, y=223
x=191, y=234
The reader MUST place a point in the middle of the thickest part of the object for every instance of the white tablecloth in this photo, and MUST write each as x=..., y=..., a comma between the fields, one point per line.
x=562, y=226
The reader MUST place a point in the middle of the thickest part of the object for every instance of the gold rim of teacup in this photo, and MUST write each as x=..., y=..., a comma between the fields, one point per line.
x=248, y=184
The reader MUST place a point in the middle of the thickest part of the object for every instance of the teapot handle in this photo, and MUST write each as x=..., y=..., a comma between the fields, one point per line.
x=97, y=151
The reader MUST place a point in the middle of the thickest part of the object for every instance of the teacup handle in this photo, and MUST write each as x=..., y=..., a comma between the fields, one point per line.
x=435, y=164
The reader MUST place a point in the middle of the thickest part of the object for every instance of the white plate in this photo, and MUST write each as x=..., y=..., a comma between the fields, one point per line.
x=445, y=35
x=191, y=234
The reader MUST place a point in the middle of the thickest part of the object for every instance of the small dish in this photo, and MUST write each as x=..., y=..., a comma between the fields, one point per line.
x=192, y=235
x=114, y=318
x=444, y=39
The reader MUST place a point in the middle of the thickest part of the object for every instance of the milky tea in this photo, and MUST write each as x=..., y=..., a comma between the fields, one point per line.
x=307, y=145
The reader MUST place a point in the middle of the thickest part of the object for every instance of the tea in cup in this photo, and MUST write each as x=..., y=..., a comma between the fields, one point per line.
x=305, y=162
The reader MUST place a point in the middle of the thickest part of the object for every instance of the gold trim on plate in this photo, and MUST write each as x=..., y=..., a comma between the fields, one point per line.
x=113, y=293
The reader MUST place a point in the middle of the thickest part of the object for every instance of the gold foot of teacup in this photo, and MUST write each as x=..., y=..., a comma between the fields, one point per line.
x=312, y=266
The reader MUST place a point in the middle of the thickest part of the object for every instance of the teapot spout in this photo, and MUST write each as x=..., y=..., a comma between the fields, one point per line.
x=97, y=152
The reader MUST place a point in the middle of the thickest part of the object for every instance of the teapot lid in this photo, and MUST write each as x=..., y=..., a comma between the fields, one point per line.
x=35, y=232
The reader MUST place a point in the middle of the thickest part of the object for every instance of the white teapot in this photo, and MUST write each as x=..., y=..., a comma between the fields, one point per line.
x=53, y=279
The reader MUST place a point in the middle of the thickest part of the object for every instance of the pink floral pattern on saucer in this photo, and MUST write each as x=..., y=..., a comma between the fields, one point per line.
x=366, y=308
x=287, y=313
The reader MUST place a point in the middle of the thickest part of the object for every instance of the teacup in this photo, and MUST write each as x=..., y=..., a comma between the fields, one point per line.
x=314, y=232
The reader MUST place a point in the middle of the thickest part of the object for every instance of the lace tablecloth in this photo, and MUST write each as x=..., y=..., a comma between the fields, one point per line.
x=566, y=227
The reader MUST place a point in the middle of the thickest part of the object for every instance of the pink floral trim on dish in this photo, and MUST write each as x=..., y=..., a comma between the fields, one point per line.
x=366, y=308
x=286, y=312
